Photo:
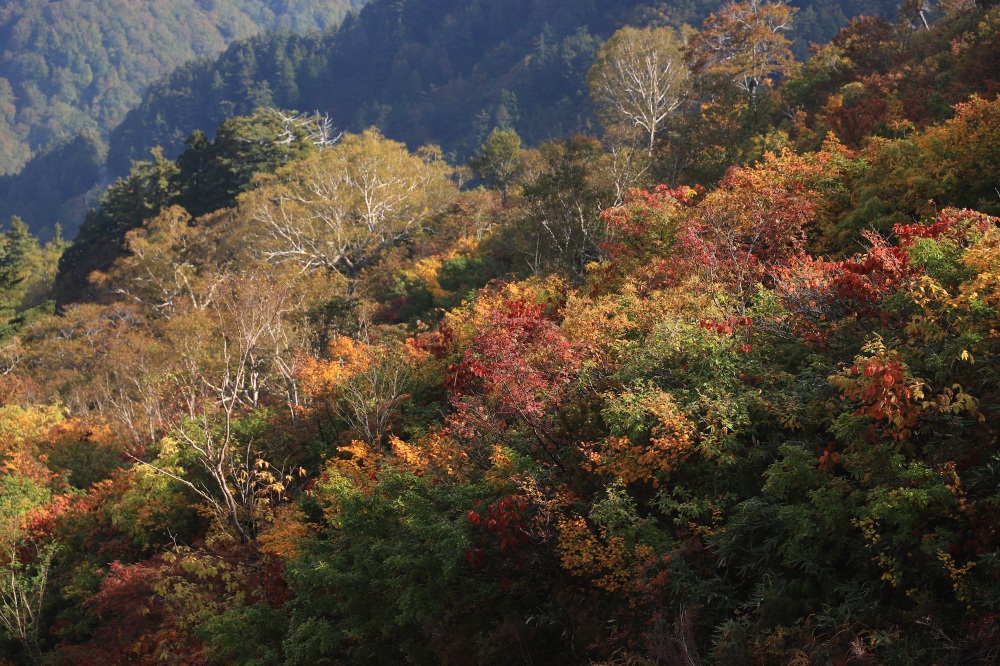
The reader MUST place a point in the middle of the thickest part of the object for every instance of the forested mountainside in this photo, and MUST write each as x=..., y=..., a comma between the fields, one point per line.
x=71, y=69
x=716, y=385
x=73, y=66
x=423, y=71
x=429, y=71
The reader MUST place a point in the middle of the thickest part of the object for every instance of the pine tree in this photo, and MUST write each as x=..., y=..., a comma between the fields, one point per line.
x=18, y=247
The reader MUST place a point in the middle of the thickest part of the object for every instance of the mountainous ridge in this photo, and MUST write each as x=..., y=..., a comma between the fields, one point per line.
x=423, y=72
x=729, y=398
x=436, y=72
x=70, y=70
x=68, y=65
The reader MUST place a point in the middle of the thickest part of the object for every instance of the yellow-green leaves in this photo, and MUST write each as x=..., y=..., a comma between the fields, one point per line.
x=341, y=208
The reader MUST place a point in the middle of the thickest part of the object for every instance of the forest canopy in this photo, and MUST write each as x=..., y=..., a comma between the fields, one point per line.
x=441, y=72
x=298, y=396
x=70, y=71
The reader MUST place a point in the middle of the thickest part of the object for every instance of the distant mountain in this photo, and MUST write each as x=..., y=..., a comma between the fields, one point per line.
x=71, y=69
x=423, y=71
x=73, y=65
x=441, y=71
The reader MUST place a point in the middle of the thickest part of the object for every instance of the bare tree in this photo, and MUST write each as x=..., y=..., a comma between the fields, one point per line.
x=227, y=358
x=341, y=208
x=22, y=591
x=317, y=127
x=369, y=399
x=638, y=79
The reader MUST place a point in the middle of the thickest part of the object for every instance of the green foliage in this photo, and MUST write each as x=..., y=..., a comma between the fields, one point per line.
x=20, y=495
x=245, y=635
x=422, y=71
x=906, y=180
x=559, y=227
x=27, y=272
x=211, y=174
x=148, y=188
x=19, y=245
x=395, y=564
x=153, y=512
x=333, y=421
x=499, y=161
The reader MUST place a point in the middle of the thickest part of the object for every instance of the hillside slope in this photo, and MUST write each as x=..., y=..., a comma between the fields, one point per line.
x=71, y=65
x=423, y=71
x=345, y=412
x=444, y=72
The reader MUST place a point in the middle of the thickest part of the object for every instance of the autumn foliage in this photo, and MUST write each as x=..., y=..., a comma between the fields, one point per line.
x=750, y=420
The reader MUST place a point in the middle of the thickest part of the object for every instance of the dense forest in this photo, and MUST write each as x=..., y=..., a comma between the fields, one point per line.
x=424, y=71
x=71, y=69
x=70, y=66
x=712, y=383
x=429, y=71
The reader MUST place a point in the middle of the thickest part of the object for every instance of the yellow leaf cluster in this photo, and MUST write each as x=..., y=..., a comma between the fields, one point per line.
x=435, y=458
x=604, y=324
x=321, y=378
x=957, y=574
x=286, y=531
x=947, y=311
x=892, y=571
x=356, y=462
x=603, y=558
x=204, y=585
x=428, y=269
x=672, y=439
x=25, y=428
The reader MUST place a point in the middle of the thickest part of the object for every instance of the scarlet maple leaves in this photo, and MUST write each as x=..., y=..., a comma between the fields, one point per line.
x=518, y=371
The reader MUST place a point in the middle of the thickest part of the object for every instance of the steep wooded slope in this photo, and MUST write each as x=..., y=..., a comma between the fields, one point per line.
x=74, y=65
x=439, y=71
